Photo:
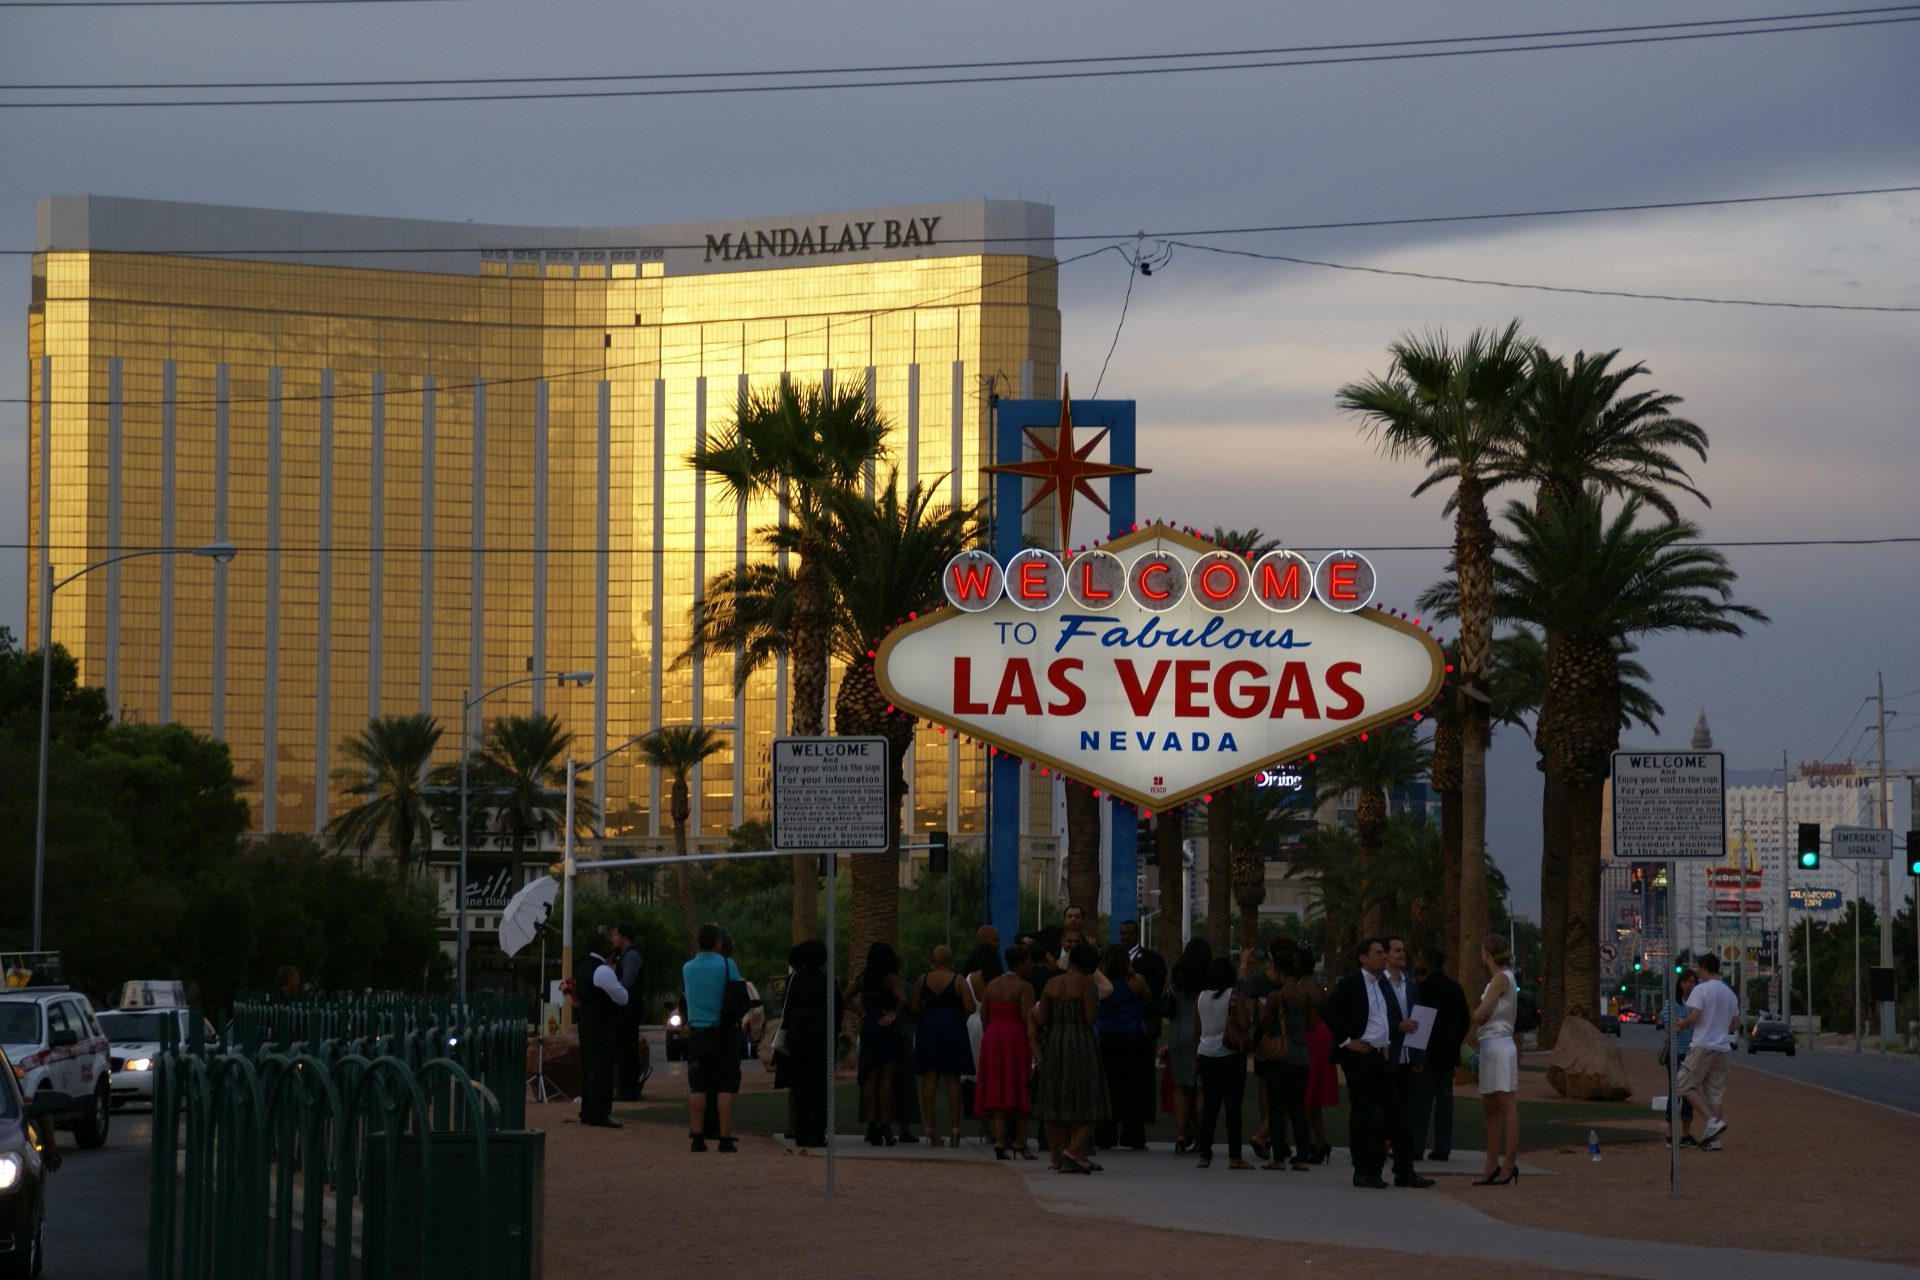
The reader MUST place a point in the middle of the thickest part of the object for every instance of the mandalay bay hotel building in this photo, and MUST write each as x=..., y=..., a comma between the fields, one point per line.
x=453, y=455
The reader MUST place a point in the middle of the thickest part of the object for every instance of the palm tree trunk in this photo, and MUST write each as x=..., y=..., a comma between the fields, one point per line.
x=1582, y=963
x=806, y=717
x=1083, y=849
x=1444, y=772
x=1249, y=890
x=1553, y=906
x=1169, y=836
x=1370, y=825
x=1473, y=564
x=683, y=875
x=1220, y=874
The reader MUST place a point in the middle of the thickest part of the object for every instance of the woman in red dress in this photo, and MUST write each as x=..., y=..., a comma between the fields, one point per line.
x=1007, y=1055
x=1323, y=1082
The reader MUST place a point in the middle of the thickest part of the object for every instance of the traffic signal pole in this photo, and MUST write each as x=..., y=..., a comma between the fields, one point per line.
x=1886, y=868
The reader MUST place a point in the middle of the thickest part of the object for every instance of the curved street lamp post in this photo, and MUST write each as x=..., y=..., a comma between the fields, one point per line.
x=219, y=552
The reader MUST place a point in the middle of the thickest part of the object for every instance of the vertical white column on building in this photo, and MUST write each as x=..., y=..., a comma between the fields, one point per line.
x=739, y=651
x=1106, y=860
x=537, y=660
x=658, y=608
x=323, y=619
x=869, y=390
x=46, y=503
x=697, y=712
x=1026, y=379
x=376, y=537
x=270, y=694
x=602, y=579
x=427, y=487
x=956, y=495
x=112, y=653
x=913, y=426
x=221, y=387
x=782, y=693
x=169, y=454
x=477, y=548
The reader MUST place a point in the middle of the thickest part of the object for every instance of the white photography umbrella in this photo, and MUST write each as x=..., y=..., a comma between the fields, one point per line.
x=526, y=913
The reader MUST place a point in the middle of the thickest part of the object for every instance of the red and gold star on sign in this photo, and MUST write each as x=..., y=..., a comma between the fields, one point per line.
x=1064, y=470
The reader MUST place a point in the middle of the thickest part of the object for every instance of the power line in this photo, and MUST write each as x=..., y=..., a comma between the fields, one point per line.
x=1543, y=288
x=953, y=80
x=1270, y=228
x=900, y=68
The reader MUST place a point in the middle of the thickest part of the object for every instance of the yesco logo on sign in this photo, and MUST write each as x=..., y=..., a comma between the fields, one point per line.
x=1160, y=667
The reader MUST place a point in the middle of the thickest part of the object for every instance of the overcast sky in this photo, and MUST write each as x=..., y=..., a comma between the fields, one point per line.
x=1234, y=362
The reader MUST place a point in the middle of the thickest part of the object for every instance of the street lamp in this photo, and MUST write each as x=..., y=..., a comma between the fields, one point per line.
x=580, y=679
x=567, y=865
x=219, y=552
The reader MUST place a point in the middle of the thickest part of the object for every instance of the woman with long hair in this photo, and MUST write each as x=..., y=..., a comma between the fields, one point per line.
x=1009, y=1044
x=1187, y=980
x=1284, y=1022
x=941, y=1051
x=1122, y=1028
x=1682, y=1041
x=880, y=997
x=1221, y=1016
x=1323, y=1081
x=804, y=1019
x=1499, y=1063
x=1072, y=1094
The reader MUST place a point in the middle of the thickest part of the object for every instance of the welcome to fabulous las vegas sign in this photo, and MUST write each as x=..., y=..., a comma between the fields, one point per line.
x=1160, y=667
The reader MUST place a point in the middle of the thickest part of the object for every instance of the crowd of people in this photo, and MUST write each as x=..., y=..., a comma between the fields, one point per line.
x=1090, y=1046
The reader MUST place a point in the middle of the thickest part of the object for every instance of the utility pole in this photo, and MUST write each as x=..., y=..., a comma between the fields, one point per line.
x=1886, y=867
x=1782, y=945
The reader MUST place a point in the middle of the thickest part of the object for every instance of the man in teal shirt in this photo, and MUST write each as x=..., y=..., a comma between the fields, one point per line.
x=713, y=1053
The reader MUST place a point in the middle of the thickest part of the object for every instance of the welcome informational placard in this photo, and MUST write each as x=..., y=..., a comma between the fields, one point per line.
x=1159, y=667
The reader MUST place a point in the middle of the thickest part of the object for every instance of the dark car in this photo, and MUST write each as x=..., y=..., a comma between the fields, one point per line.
x=23, y=1173
x=1771, y=1035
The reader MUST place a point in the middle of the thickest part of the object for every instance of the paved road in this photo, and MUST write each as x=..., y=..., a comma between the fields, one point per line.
x=97, y=1205
x=1893, y=1080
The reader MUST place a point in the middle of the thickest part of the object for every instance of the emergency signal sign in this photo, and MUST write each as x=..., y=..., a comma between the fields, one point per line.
x=1159, y=666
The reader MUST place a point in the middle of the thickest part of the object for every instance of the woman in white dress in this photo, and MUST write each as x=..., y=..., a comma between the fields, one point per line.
x=1499, y=1064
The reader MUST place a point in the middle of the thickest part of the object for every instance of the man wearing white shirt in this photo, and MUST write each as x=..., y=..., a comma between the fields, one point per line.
x=1368, y=1023
x=1714, y=1018
x=601, y=997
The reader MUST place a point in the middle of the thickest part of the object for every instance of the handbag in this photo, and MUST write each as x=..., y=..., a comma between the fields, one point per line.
x=1232, y=1038
x=1663, y=1057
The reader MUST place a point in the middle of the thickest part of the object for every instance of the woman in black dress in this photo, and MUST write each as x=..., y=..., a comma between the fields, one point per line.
x=941, y=1050
x=881, y=998
x=804, y=1020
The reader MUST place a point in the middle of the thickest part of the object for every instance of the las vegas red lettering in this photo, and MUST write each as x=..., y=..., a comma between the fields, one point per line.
x=1195, y=690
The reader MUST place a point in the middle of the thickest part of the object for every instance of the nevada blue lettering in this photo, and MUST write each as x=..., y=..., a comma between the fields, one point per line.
x=1146, y=740
x=1172, y=743
x=1227, y=743
x=1089, y=741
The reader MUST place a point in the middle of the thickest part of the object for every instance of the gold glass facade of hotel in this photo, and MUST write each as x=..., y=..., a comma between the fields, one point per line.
x=452, y=456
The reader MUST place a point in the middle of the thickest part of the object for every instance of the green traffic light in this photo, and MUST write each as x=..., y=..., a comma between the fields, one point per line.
x=1809, y=858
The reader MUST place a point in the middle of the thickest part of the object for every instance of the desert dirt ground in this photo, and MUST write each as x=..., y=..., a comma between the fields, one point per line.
x=1802, y=1171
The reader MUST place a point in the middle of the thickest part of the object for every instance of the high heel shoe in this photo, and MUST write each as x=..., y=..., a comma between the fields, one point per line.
x=1322, y=1153
x=887, y=1137
x=1000, y=1153
x=873, y=1135
x=1513, y=1176
x=1491, y=1180
x=953, y=1139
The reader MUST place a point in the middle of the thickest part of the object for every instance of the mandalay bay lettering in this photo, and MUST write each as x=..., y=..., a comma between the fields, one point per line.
x=789, y=242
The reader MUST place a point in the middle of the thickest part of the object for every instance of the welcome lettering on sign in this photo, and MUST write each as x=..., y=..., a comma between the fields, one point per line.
x=1160, y=667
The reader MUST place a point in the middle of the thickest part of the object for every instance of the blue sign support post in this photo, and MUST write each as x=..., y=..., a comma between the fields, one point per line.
x=1011, y=418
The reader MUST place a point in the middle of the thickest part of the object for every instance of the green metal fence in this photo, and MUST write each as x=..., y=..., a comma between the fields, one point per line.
x=370, y=1136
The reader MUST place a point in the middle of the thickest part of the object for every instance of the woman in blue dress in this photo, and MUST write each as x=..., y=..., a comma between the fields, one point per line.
x=942, y=1050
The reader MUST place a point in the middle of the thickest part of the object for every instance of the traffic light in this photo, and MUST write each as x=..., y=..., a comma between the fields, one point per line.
x=1913, y=853
x=1639, y=963
x=937, y=854
x=1809, y=846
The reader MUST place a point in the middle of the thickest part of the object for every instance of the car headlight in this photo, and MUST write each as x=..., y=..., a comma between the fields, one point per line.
x=9, y=1170
x=139, y=1064
x=673, y=1020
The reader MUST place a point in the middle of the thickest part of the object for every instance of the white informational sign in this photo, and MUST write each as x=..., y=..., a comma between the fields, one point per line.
x=1669, y=804
x=830, y=795
x=1864, y=844
x=1158, y=668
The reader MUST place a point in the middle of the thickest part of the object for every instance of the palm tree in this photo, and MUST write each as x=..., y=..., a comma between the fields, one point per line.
x=881, y=560
x=1329, y=859
x=675, y=750
x=801, y=447
x=884, y=558
x=1594, y=584
x=520, y=764
x=1453, y=409
x=1412, y=861
x=1259, y=815
x=1382, y=760
x=391, y=756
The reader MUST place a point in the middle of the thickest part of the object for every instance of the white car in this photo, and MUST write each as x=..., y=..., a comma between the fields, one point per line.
x=135, y=1036
x=52, y=1038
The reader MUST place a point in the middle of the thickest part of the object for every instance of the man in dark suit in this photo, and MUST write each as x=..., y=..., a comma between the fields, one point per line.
x=1368, y=1029
x=1433, y=1084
